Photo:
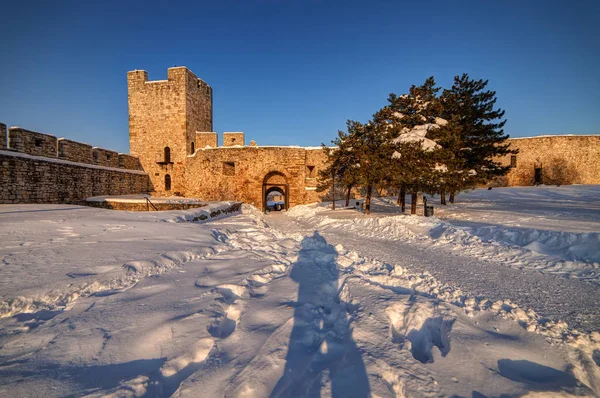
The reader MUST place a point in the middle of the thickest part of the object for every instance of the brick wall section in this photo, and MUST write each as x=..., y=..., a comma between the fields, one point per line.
x=204, y=139
x=129, y=162
x=31, y=142
x=105, y=157
x=2, y=136
x=234, y=138
x=582, y=153
x=163, y=114
x=74, y=151
x=43, y=180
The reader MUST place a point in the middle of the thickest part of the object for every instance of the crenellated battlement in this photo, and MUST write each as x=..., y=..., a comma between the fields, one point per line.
x=233, y=138
x=48, y=146
x=32, y=143
x=206, y=139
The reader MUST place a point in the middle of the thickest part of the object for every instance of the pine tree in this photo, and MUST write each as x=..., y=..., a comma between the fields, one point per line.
x=473, y=136
x=415, y=162
x=362, y=157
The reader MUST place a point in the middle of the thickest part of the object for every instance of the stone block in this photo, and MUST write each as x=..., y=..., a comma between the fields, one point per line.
x=233, y=138
x=204, y=139
x=74, y=151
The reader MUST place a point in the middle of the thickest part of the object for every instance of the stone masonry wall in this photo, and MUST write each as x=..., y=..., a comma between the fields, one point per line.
x=315, y=161
x=44, y=172
x=580, y=153
x=105, y=157
x=129, y=162
x=74, y=151
x=36, y=179
x=31, y=142
x=238, y=173
x=2, y=136
x=199, y=112
x=204, y=139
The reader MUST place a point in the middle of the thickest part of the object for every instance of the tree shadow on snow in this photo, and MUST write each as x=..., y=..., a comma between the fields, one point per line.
x=321, y=346
x=540, y=378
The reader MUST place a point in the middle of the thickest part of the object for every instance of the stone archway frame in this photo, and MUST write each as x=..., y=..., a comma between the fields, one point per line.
x=267, y=186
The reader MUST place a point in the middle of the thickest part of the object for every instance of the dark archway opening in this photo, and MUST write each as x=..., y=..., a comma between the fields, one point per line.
x=167, y=182
x=275, y=192
x=275, y=198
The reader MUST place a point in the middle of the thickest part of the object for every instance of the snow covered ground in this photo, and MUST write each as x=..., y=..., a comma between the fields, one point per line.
x=497, y=296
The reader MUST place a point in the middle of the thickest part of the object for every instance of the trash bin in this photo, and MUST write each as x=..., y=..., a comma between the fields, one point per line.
x=428, y=211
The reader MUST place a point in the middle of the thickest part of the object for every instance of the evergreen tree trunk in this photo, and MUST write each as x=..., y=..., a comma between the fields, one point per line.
x=413, y=203
x=443, y=196
x=452, y=197
x=349, y=187
x=333, y=190
x=368, y=199
x=402, y=198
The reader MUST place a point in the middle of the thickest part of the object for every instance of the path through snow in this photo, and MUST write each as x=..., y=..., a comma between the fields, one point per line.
x=277, y=306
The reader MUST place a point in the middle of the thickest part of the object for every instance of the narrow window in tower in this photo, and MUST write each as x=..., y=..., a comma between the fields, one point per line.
x=167, y=154
x=167, y=182
x=193, y=148
x=38, y=142
x=310, y=171
x=228, y=168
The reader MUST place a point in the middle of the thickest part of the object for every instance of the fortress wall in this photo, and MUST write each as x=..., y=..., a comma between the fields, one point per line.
x=579, y=155
x=315, y=161
x=38, y=168
x=74, y=151
x=2, y=136
x=105, y=157
x=31, y=142
x=129, y=162
x=45, y=145
x=238, y=173
x=35, y=179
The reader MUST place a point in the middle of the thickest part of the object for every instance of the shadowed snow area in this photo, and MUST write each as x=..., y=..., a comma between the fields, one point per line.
x=308, y=303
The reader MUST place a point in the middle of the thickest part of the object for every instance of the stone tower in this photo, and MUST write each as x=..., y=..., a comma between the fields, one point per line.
x=164, y=116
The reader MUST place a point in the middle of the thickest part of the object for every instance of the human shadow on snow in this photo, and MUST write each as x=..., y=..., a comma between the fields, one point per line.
x=321, y=347
x=85, y=379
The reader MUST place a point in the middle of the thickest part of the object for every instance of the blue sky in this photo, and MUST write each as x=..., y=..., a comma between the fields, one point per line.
x=290, y=72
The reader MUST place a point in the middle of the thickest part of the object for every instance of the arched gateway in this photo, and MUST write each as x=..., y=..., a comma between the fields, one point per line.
x=275, y=181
